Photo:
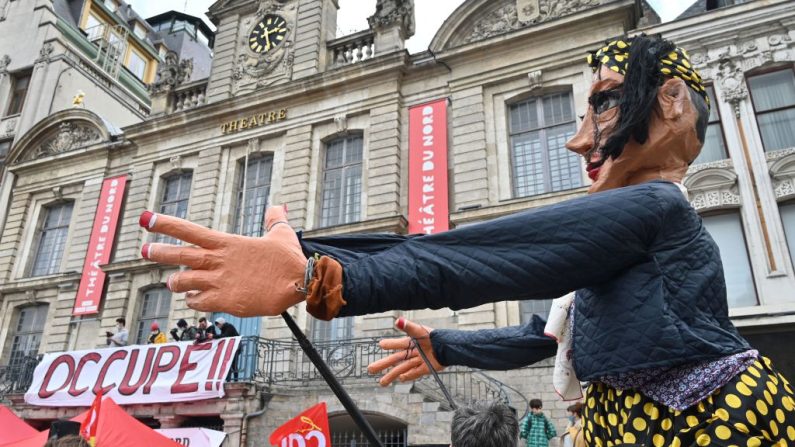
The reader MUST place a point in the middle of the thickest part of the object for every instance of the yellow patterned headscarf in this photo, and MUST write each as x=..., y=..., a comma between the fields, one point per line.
x=615, y=56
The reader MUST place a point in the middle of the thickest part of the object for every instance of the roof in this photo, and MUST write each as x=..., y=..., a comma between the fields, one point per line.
x=171, y=15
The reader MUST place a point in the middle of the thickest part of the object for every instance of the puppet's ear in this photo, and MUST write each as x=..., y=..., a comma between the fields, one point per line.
x=673, y=96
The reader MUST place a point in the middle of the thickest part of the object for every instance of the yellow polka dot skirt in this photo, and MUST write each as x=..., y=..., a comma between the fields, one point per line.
x=757, y=408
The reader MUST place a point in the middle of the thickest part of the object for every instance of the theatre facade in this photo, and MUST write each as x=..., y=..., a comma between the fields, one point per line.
x=356, y=135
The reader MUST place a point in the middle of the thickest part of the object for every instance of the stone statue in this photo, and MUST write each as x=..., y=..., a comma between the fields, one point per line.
x=394, y=12
x=171, y=73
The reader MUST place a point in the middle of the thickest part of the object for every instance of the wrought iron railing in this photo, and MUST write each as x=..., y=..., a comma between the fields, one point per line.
x=16, y=377
x=282, y=364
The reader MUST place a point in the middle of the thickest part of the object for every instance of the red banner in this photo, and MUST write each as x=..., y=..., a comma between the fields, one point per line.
x=428, y=209
x=308, y=429
x=92, y=283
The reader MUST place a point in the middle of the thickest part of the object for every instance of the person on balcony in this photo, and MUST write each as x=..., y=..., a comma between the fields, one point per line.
x=205, y=331
x=188, y=333
x=650, y=324
x=121, y=335
x=156, y=337
x=228, y=330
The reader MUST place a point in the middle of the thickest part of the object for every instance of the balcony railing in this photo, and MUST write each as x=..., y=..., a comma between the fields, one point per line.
x=188, y=96
x=281, y=364
x=351, y=49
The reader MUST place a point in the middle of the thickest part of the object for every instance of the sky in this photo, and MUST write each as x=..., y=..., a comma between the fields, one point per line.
x=352, y=16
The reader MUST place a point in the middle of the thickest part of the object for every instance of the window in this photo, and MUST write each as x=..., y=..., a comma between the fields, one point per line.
x=528, y=308
x=253, y=190
x=52, y=239
x=342, y=182
x=27, y=337
x=94, y=28
x=174, y=202
x=19, y=89
x=137, y=65
x=334, y=330
x=5, y=146
x=787, y=212
x=154, y=308
x=727, y=231
x=714, y=148
x=773, y=95
x=539, y=128
x=139, y=30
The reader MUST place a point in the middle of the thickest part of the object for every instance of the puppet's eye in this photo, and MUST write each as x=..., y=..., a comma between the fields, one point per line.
x=605, y=103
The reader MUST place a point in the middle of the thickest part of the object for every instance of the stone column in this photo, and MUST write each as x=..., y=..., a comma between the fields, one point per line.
x=232, y=425
x=393, y=23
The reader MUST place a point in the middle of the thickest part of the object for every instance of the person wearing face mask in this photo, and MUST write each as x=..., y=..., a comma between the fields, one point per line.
x=574, y=437
x=120, y=337
x=649, y=316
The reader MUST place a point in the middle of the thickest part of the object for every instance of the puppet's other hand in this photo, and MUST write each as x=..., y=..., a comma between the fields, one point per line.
x=406, y=363
x=243, y=276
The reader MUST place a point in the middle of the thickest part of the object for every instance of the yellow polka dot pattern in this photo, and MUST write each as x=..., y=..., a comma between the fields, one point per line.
x=756, y=408
x=615, y=56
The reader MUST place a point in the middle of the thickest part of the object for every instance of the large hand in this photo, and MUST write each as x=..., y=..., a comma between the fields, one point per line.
x=406, y=364
x=243, y=276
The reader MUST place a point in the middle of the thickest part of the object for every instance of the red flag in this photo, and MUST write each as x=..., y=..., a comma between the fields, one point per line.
x=311, y=427
x=88, y=428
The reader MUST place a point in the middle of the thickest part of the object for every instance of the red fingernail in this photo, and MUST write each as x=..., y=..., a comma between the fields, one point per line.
x=145, y=251
x=146, y=220
x=401, y=323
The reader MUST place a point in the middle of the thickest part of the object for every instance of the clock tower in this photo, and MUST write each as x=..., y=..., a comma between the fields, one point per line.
x=264, y=43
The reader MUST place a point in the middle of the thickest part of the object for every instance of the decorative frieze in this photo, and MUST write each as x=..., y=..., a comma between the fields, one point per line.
x=71, y=135
x=782, y=172
x=523, y=13
x=713, y=188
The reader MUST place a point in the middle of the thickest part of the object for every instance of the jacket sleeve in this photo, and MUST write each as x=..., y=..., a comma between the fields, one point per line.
x=550, y=429
x=494, y=349
x=537, y=254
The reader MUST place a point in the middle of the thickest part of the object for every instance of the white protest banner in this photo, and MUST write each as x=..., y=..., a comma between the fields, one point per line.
x=194, y=437
x=171, y=372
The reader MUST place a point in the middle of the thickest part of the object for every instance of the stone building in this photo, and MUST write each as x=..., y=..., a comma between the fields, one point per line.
x=321, y=123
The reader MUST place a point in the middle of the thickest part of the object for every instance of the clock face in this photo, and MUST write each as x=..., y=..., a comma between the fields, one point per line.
x=268, y=34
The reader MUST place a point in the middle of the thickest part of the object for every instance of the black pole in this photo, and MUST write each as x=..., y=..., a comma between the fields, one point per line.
x=332, y=382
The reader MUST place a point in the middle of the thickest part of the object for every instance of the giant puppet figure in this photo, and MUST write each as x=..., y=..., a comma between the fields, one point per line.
x=650, y=323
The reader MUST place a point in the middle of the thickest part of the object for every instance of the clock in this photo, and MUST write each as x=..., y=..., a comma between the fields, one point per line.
x=268, y=34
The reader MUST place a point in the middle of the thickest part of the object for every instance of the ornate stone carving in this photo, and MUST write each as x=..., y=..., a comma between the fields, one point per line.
x=253, y=70
x=732, y=84
x=175, y=161
x=508, y=18
x=341, y=121
x=45, y=52
x=11, y=126
x=535, y=79
x=70, y=136
x=171, y=73
x=712, y=189
x=782, y=172
x=5, y=61
x=390, y=13
x=269, y=6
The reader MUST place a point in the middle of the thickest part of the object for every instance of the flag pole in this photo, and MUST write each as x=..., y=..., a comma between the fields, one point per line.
x=333, y=383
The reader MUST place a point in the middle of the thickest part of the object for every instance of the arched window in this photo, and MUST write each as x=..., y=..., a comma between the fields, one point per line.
x=253, y=189
x=51, y=238
x=342, y=182
x=539, y=128
x=174, y=200
x=154, y=307
x=27, y=333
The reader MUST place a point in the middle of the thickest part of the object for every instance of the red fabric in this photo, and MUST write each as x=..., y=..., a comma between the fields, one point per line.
x=88, y=428
x=14, y=428
x=311, y=423
x=115, y=428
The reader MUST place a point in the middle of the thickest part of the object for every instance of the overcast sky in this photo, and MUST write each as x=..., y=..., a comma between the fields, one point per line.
x=430, y=14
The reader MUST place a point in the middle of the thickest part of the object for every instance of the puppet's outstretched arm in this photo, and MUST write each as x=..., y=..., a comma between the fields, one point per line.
x=493, y=349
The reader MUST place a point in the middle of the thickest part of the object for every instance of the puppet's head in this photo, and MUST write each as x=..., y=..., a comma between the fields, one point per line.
x=647, y=114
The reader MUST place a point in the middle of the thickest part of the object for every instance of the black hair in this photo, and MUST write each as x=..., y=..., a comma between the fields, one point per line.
x=535, y=403
x=122, y=321
x=641, y=83
x=202, y=320
x=576, y=409
x=703, y=114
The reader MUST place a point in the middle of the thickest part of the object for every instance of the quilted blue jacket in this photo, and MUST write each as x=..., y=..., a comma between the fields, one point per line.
x=649, y=281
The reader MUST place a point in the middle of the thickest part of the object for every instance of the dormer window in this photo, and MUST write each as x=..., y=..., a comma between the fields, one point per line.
x=139, y=30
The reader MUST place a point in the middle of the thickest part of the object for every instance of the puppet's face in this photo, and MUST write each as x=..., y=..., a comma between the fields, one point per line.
x=672, y=144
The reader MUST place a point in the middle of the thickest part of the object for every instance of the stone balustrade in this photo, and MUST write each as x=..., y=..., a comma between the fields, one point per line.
x=351, y=49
